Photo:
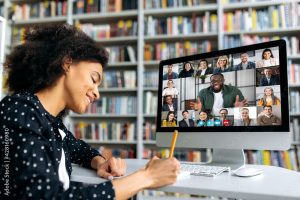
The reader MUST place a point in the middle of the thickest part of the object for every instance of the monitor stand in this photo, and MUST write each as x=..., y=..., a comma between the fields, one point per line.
x=235, y=159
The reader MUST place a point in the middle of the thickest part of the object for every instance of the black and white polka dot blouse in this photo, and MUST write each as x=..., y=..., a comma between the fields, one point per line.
x=31, y=149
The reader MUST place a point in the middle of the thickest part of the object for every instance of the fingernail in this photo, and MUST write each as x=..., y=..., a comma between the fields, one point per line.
x=110, y=177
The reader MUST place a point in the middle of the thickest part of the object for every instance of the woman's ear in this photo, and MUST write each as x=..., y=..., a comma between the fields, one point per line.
x=67, y=61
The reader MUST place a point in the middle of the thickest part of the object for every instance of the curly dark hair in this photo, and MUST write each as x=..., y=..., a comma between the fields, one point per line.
x=38, y=62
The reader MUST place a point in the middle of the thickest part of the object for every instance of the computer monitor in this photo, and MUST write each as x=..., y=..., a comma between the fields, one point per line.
x=227, y=100
x=2, y=47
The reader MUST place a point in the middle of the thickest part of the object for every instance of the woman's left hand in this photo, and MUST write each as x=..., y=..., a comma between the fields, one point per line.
x=111, y=168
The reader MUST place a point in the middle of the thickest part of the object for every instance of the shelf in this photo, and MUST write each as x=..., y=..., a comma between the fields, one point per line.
x=105, y=115
x=108, y=142
x=153, y=89
x=122, y=64
x=117, y=90
x=106, y=16
x=117, y=40
x=165, y=12
x=150, y=142
x=294, y=57
x=257, y=4
x=149, y=115
x=152, y=63
x=278, y=31
x=170, y=38
x=39, y=20
x=294, y=114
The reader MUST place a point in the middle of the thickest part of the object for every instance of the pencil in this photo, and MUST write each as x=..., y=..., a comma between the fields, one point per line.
x=173, y=143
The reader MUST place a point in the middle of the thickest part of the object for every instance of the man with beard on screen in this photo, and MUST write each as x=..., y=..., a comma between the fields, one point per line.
x=218, y=96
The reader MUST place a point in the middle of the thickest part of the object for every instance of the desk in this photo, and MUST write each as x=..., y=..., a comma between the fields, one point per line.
x=275, y=183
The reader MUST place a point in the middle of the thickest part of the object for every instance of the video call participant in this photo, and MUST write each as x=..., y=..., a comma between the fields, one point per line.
x=269, y=78
x=187, y=70
x=168, y=104
x=223, y=117
x=170, y=120
x=267, y=118
x=245, y=64
x=218, y=96
x=269, y=98
x=222, y=65
x=170, y=74
x=203, y=119
x=186, y=122
x=170, y=90
x=245, y=120
x=267, y=59
x=203, y=68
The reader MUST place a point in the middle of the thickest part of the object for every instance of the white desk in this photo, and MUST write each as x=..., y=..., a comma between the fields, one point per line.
x=275, y=183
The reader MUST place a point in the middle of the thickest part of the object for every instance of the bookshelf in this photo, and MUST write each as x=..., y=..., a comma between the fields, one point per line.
x=209, y=38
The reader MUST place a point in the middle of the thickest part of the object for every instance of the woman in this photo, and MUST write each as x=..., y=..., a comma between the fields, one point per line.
x=187, y=70
x=170, y=120
x=269, y=99
x=58, y=68
x=222, y=65
x=170, y=90
x=267, y=59
x=245, y=120
x=202, y=121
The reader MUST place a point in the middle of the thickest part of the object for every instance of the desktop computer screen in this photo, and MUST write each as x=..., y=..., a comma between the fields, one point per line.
x=229, y=99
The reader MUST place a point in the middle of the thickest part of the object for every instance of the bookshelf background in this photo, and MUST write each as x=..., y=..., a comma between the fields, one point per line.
x=139, y=33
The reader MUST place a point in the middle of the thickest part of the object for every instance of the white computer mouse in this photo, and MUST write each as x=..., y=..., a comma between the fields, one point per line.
x=247, y=172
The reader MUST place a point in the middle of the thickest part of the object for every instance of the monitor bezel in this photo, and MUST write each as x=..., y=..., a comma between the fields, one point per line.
x=284, y=127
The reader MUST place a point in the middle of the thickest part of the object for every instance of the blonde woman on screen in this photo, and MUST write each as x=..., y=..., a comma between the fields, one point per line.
x=269, y=98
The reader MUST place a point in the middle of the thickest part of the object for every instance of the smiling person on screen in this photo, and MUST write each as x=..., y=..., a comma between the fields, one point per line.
x=218, y=96
x=60, y=68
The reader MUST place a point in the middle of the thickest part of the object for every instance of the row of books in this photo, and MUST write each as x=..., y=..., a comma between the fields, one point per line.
x=181, y=24
x=108, y=152
x=150, y=4
x=149, y=130
x=150, y=102
x=282, y=16
x=151, y=78
x=119, y=29
x=105, y=131
x=95, y=6
x=122, y=54
x=40, y=10
x=293, y=73
x=295, y=129
x=114, y=105
x=292, y=42
x=286, y=159
x=294, y=101
x=164, y=50
x=119, y=79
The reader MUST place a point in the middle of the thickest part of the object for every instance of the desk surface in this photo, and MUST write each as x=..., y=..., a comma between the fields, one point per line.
x=274, y=183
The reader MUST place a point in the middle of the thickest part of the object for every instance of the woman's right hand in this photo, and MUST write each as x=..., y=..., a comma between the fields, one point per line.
x=161, y=172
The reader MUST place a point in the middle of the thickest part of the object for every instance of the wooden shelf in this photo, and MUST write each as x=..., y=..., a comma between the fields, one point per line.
x=165, y=12
x=149, y=142
x=149, y=115
x=171, y=38
x=257, y=4
x=293, y=114
x=122, y=64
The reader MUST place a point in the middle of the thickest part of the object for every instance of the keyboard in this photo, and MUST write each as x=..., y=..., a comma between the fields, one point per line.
x=203, y=170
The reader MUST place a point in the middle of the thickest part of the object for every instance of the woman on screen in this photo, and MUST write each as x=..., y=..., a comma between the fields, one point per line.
x=203, y=118
x=267, y=59
x=269, y=98
x=170, y=90
x=245, y=119
x=60, y=68
x=170, y=120
x=187, y=70
x=222, y=65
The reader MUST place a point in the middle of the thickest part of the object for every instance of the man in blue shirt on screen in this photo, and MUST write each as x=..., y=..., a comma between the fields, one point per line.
x=218, y=96
x=170, y=74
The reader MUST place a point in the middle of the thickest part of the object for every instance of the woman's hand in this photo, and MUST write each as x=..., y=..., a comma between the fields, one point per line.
x=111, y=168
x=161, y=172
